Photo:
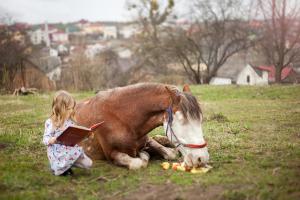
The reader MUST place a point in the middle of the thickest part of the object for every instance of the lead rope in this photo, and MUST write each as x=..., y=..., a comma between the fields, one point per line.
x=170, y=120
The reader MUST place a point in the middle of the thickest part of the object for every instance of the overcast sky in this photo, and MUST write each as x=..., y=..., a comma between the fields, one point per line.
x=39, y=11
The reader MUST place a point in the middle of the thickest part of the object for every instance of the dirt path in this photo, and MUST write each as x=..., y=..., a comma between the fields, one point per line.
x=172, y=192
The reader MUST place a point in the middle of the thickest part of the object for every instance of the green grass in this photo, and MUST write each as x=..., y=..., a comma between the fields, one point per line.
x=254, y=143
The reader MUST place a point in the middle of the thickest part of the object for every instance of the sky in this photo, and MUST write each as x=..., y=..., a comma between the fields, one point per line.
x=40, y=11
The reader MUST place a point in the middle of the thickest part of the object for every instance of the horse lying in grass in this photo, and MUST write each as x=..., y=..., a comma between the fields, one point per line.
x=130, y=113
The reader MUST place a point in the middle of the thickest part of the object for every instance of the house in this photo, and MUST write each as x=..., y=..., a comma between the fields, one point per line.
x=124, y=52
x=55, y=74
x=37, y=37
x=92, y=50
x=128, y=31
x=110, y=32
x=240, y=75
x=288, y=74
x=59, y=37
x=42, y=35
x=47, y=62
x=92, y=28
x=53, y=52
x=32, y=77
x=82, y=23
x=62, y=49
x=220, y=81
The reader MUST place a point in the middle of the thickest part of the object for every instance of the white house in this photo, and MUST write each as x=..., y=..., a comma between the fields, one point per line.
x=220, y=81
x=110, y=32
x=53, y=52
x=124, y=53
x=62, y=48
x=55, y=74
x=128, y=31
x=42, y=35
x=60, y=37
x=240, y=75
x=92, y=50
x=36, y=37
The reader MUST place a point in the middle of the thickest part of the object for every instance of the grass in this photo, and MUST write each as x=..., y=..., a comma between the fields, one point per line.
x=254, y=143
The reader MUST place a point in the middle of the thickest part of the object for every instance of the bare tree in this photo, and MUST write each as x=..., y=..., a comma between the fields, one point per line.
x=218, y=33
x=281, y=33
x=77, y=74
x=151, y=15
x=14, y=49
x=185, y=51
x=111, y=75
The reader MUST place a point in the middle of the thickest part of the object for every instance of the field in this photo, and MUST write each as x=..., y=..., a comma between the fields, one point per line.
x=253, y=135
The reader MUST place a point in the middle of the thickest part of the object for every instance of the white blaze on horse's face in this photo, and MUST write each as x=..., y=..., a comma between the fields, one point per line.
x=189, y=132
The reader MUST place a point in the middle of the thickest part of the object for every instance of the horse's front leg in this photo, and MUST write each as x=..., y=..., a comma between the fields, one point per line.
x=125, y=160
x=165, y=152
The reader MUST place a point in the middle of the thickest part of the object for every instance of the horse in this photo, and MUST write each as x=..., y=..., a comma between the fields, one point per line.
x=131, y=112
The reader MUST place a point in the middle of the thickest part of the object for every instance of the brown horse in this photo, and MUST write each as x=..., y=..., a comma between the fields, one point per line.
x=130, y=113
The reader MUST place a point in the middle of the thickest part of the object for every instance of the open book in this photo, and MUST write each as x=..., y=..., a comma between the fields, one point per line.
x=75, y=134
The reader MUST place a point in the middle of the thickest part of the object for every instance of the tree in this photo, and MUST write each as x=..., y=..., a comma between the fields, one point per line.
x=14, y=49
x=111, y=75
x=216, y=34
x=184, y=50
x=281, y=33
x=151, y=15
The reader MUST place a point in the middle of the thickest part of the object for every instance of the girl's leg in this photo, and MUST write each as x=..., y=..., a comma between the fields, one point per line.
x=83, y=162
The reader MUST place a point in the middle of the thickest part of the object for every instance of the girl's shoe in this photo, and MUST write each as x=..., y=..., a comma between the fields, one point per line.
x=69, y=172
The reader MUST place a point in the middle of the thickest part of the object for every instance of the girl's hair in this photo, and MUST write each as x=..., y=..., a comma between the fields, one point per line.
x=63, y=103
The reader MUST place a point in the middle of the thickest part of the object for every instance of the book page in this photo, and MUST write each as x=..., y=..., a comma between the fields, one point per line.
x=79, y=127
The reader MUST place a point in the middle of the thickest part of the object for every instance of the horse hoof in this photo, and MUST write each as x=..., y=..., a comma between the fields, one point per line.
x=170, y=154
x=136, y=163
x=144, y=155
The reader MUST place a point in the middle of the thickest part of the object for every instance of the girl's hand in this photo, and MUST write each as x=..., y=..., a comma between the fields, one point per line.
x=52, y=140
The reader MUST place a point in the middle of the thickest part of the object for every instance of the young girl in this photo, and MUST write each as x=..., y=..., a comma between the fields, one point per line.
x=62, y=157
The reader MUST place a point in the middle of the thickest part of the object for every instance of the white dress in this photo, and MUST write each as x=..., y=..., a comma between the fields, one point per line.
x=61, y=157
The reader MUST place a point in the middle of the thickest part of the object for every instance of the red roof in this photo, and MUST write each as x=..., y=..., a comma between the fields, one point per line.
x=83, y=21
x=255, y=24
x=59, y=32
x=50, y=27
x=271, y=69
x=193, y=29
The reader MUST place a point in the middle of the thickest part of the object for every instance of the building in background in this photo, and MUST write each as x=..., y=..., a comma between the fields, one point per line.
x=288, y=74
x=59, y=36
x=240, y=75
x=110, y=32
x=42, y=35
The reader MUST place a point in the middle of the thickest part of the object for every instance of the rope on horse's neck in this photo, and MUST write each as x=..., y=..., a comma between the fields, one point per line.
x=170, y=117
x=170, y=120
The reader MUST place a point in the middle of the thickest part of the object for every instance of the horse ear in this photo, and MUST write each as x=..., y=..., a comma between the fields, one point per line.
x=186, y=88
x=174, y=93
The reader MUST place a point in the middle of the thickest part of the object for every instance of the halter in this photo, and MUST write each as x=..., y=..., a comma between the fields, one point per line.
x=170, y=120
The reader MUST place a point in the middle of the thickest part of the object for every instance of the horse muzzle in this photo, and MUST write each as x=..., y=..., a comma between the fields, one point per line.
x=196, y=159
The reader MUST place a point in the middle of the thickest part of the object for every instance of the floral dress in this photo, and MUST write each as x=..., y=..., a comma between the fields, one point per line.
x=61, y=157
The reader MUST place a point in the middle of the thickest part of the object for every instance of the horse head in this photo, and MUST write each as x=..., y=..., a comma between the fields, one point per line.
x=183, y=126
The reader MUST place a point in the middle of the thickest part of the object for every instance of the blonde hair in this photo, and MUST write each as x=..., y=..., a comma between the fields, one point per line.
x=63, y=105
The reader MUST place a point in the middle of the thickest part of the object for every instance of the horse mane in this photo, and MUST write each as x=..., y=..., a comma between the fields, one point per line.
x=190, y=107
x=136, y=88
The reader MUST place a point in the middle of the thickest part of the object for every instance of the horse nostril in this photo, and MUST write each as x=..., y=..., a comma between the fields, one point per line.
x=199, y=159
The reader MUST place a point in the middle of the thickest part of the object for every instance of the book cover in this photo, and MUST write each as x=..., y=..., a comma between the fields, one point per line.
x=75, y=134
